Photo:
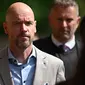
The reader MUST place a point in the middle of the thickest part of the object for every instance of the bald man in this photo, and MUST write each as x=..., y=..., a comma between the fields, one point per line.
x=21, y=63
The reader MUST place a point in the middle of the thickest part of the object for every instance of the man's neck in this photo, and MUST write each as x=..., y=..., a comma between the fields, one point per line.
x=21, y=55
x=70, y=43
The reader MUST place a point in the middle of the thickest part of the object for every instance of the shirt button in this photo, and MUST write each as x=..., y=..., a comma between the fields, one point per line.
x=14, y=61
x=24, y=81
x=23, y=67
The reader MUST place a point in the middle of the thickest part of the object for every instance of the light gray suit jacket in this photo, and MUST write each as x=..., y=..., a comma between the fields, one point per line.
x=49, y=69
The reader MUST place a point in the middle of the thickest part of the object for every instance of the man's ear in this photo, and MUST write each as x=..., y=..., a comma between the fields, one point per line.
x=79, y=19
x=5, y=27
x=35, y=26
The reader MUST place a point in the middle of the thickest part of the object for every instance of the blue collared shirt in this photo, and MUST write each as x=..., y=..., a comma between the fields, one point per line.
x=22, y=74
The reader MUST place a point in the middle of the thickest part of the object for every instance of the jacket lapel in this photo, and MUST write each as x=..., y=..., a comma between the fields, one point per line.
x=41, y=69
x=4, y=67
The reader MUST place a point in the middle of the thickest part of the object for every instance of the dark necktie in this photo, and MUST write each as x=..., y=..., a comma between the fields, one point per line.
x=63, y=48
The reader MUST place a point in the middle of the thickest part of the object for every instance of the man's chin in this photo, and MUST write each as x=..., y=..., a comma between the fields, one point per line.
x=66, y=37
x=23, y=45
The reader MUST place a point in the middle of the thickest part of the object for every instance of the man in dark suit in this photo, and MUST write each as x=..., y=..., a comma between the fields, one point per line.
x=63, y=19
x=21, y=63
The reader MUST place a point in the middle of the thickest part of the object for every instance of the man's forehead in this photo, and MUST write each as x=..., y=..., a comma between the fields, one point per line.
x=21, y=16
x=65, y=10
x=20, y=10
x=25, y=18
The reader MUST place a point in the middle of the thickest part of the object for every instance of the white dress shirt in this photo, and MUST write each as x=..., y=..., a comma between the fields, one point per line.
x=70, y=44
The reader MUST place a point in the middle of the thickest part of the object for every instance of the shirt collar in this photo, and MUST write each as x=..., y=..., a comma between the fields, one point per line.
x=11, y=56
x=70, y=43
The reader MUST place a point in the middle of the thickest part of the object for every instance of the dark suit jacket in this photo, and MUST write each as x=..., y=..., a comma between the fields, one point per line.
x=69, y=58
x=48, y=69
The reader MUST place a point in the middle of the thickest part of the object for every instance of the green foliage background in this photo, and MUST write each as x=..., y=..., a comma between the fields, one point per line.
x=41, y=10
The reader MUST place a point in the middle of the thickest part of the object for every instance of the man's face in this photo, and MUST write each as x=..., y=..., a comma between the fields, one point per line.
x=64, y=22
x=20, y=27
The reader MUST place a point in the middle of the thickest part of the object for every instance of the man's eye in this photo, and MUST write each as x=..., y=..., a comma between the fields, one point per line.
x=69, y=20
x=28, y=23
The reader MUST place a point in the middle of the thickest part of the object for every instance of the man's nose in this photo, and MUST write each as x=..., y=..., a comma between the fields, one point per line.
x=64, y=23
x=23, y=27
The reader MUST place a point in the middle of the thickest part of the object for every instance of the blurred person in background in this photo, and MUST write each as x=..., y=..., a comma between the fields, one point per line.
x=79, y=77
x=64, y=20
